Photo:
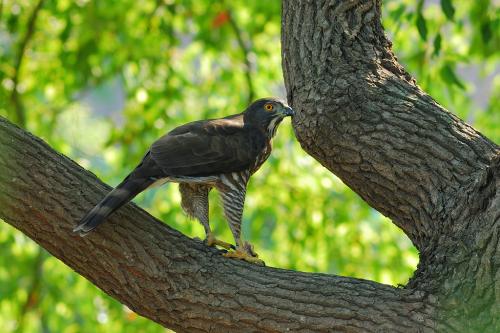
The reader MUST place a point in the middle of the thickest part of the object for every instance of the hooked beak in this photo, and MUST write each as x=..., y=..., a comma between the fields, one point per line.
x=288, y=111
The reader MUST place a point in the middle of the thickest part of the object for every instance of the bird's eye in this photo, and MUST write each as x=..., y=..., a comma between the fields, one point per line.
x=269, y=107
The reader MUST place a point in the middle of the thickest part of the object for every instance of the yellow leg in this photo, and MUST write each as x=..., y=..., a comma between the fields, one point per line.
x=244, y=251
x=212, y=241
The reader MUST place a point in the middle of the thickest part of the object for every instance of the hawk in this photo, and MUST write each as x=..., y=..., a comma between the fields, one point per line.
x=216, y=153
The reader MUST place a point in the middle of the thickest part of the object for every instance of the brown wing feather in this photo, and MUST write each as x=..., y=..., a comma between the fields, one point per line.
x=207, y=147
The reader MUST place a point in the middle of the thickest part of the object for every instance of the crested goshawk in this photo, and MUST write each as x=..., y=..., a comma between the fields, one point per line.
x=221, y=153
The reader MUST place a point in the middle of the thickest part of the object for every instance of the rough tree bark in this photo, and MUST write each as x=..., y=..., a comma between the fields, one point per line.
x=361, y=116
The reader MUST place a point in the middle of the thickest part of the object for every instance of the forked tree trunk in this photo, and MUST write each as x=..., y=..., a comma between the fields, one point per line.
x=361, y=116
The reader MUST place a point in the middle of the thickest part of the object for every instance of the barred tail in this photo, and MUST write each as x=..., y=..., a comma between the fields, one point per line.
x=119, y=196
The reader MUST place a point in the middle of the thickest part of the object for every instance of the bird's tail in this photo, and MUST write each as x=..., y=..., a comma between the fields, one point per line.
x=119, y=196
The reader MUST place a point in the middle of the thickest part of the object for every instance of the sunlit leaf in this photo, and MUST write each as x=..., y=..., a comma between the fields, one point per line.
x=396, y=14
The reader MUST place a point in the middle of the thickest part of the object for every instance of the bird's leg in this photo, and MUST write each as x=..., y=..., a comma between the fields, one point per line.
x=195, y=204
x=210, y=239
x=233, y=202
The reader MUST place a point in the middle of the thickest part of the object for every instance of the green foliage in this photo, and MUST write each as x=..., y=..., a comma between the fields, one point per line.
x=448, y=9
x=451, y=48
x=100, y=80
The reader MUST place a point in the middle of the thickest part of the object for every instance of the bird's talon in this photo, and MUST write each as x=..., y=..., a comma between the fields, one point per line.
x=248, y=248
x=212, y=241
x=242, y=254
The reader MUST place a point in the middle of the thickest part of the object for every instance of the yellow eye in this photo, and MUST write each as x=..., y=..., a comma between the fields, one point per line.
x=269, y=107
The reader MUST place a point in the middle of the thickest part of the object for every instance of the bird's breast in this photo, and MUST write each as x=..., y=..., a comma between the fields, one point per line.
x=262, y=156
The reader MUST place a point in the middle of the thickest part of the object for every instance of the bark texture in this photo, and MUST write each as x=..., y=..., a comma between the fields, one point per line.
x=362, y=116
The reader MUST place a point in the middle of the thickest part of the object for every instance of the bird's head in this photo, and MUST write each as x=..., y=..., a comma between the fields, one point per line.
x=267, y=113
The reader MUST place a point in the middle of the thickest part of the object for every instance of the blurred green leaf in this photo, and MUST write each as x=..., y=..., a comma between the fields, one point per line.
x=448, y=9
x=396, y=14
x=449, y=75
x=421, y=26
x=437, y=44
x=486, y=31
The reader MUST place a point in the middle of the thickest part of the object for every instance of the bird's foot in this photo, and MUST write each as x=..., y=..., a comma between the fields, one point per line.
x=212, y=241
x=245, y=252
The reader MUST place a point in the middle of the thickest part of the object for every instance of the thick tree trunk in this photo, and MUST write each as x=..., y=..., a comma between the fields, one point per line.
x=361, y=115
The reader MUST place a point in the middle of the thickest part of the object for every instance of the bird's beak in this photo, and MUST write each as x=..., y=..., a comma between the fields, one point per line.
x=288, y=111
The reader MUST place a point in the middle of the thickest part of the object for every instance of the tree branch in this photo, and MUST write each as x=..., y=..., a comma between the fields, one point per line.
x=174, y=280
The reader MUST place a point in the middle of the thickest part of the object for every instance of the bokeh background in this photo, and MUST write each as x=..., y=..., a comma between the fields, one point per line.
x=101, y=80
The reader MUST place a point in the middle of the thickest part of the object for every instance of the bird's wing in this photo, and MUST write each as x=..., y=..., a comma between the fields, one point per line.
x=205, y=148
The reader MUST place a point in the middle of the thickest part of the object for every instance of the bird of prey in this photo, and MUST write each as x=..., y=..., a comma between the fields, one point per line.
x=216, y=153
